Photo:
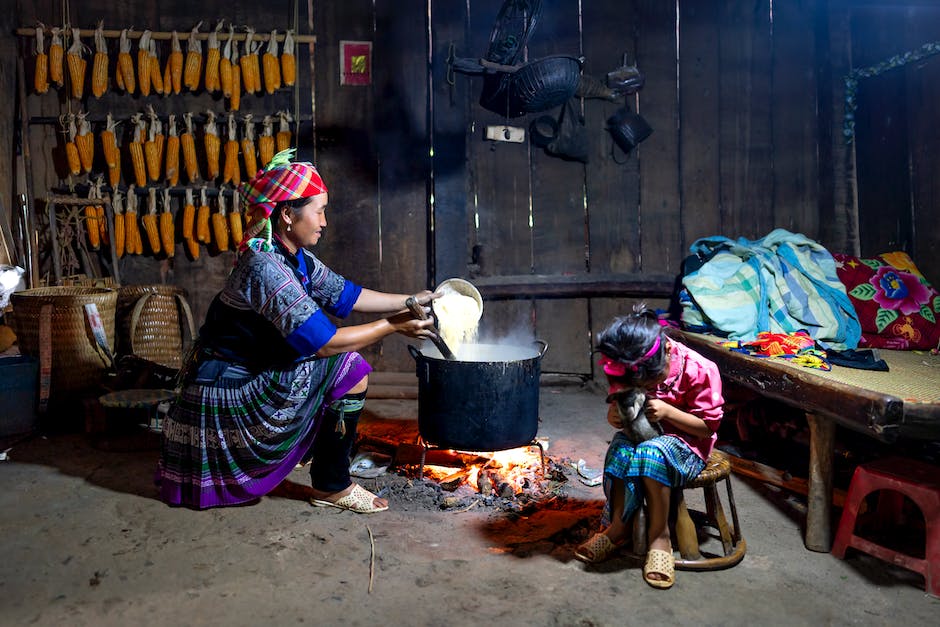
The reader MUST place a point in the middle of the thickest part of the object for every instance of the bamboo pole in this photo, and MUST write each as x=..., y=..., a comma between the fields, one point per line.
x=166, y=35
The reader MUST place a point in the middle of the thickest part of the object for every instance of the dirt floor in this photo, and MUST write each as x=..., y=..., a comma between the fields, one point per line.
x=86, y=542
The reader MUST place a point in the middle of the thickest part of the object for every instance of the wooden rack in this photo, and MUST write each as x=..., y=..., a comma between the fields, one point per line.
x=166, y=35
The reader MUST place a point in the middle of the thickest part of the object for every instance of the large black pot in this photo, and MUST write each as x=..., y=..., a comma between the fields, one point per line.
x=485, y=400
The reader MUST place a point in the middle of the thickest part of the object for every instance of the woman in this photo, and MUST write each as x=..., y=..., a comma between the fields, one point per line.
x=272, y=381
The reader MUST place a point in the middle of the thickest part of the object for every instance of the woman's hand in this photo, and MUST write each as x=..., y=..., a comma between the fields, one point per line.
x=409, y=326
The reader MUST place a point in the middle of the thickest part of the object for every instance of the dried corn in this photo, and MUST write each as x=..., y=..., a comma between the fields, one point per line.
x=117, y=204
x=175, y=63
x=212, y=60
x=71, y=150
x=110, y=150
x=56, y=57
x=125, y=65
x=136, y=149
x=251, y=73
x=231, y=171
x=91, y=218
x=284, y=139
x=99, y=68
x=153, y=148
x=225, y=65
x=235, y=102
x=266, y=141
x=150, y=222
x=272, y=70
x=212, y=145
x=167, y=229
x=132, y=241
x=235, y=226
x=85, y=142
x=193, y=67
x=41, y=72
x=288, y=60
x=76, y=65
x=188, y=144
x=172, y=153
x=143, y=63
x=193, y=247
x=248, y=147
x=189, y=214
x=156, y=77
x=220, y=225
x=202, y=219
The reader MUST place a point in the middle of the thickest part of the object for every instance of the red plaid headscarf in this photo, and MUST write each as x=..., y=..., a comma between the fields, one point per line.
x=279, y=181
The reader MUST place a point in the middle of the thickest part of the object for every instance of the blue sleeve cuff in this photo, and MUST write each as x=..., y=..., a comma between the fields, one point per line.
x=312, y=335
x=347, y=299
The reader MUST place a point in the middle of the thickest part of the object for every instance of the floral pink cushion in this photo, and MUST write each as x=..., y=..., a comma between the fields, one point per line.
x=897, y=307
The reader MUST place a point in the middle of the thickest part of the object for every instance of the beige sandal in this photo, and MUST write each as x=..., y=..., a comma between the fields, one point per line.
x=359, y=500
x=596, y=550
x=661, y=563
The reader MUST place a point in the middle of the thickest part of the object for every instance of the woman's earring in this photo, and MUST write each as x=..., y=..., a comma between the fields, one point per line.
x=288, y=228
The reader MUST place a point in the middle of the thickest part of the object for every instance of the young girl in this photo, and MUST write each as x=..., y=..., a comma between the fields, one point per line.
x=684, y=397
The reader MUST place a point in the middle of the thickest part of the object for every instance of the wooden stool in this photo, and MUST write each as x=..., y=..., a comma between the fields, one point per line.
x=917, y=481
x=717, y=469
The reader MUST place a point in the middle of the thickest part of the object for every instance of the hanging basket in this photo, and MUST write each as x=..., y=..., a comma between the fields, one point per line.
x=150, y=323
x=78, y=362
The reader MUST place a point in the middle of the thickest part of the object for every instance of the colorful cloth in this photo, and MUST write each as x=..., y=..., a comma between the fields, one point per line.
x=798, y=348
x=782, y=283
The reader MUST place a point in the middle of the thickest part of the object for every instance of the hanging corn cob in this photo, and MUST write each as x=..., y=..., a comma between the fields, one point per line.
x=99, y=67
x=284, y=139
x=212, y=144
x=248, y=147
x=85, y=142
x=220, y=225
x=143, y=63
x=117, y=204
x=175, y=64
x=125, y=65
x=132, y=242
x=192, y=246
x=99, y=211
x=272, y=70
x=193, y=67
x=156, y=78
x=266, y=141
x=231, y=171
x=172, y=153
x=225, y=65
x=235, y=220
x=235, y=101
x=136, y=149
x=111, y=152
x=71, y=150
x=188, y=144
x=153, y=148
x=76, y=65
x=202, y=218
x=288, y=60
x=149, y=220
x=251, y=72
x=167, y=228
x=91, y=217
x=212, y=60
x=41, y=72
x=56, y=57
x=189, y=214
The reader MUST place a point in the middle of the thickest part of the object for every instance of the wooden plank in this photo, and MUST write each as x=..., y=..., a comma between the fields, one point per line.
x=745, y=140
x=662, y=247
x=794, y=124
x=699, y=115
x=589, y=285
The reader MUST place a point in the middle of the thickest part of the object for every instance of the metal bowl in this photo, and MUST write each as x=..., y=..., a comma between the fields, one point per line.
x=461, y=286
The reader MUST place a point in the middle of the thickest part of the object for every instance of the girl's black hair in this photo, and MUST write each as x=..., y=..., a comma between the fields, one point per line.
x=629, y=337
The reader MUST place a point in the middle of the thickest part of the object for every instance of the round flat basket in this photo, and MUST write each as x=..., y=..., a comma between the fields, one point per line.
x=149, y=322
x=78, y=363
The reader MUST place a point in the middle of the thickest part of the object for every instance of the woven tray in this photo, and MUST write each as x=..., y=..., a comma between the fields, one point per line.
x=150, y=323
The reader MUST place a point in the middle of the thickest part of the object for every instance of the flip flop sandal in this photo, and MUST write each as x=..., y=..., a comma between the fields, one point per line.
x=596, y=550
x=662, y=563
x=359, y=500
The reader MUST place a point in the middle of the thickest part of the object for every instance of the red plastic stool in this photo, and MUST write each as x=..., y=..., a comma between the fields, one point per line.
x=917, y=481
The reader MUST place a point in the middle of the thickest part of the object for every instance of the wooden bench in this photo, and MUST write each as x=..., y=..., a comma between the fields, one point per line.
x=887, y=406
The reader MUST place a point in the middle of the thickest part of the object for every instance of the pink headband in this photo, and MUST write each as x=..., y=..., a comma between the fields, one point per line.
x=619, y=368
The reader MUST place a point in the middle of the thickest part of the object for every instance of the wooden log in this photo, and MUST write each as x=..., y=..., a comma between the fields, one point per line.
x=778, y=478
x=819, y=510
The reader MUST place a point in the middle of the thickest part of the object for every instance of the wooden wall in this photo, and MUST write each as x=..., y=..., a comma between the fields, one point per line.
x=745, y=98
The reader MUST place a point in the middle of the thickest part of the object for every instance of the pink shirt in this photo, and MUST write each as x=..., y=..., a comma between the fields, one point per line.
x=694, y=386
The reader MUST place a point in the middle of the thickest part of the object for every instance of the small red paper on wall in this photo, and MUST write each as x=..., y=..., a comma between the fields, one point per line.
x=356, y=66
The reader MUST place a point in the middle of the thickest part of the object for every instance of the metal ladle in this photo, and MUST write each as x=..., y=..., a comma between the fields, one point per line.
x=421, y=314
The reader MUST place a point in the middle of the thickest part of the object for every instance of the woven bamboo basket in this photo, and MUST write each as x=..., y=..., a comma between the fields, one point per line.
x=150, y=323
x=78, y=362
